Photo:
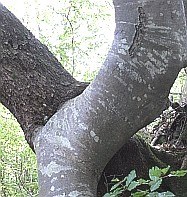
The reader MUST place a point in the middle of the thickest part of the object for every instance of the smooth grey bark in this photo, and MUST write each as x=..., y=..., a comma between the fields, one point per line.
x=130, y=90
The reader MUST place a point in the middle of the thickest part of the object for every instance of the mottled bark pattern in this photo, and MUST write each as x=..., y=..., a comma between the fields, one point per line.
x=32, y=82
x=129, y=91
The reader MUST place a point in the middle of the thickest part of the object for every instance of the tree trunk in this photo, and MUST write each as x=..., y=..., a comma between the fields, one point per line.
x=33, y=84
x=130, y=90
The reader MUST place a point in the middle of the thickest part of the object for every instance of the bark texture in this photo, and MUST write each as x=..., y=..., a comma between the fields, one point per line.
x=130, y=90
x=33, y=83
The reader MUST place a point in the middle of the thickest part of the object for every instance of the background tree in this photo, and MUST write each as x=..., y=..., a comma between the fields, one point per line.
x=81, y=137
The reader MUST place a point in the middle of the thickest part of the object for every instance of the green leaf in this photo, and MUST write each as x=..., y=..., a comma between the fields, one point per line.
x=178, y=173
x=130, y=177
x=140, y=194
x=133, y=185
x=155, y=184
x=166, y=194
x=116, y=192
x=165, y=170
x=115, y=180
x=155, y=172
x=143, y=181
x=163, y=194
x=107, y=195
x=115, y=186
x=153, y=194
x=118, y=184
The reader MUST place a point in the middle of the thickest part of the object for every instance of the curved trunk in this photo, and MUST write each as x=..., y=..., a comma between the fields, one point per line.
x=130, y=90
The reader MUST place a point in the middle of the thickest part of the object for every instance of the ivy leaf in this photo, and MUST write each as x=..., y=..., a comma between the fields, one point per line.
x=130, y=177
x=178, y=173
x=140, y=194
x=116, y=192
x=154, y=185
x=165, y=170
x=155, y=172
x=143, y=181
x=118, y=184
x=133, y=185
x=153, y=194
x=114, y=187
x=163, y=194
x=115, y=180
x=107, y=195
x=166, y=194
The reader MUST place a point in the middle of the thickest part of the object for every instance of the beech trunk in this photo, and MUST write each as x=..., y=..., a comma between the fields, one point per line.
x=74, y=144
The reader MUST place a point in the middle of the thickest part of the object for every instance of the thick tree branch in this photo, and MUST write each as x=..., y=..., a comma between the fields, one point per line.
x=33, y=84
x=130, y=90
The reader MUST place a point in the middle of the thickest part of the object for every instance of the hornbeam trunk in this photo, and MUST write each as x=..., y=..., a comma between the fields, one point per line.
x=130, y=90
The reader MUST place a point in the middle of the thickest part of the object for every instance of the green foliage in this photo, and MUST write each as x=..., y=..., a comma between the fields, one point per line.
x=156, y=175
x=18, y=174
x=78, y=32
x=83, y=39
